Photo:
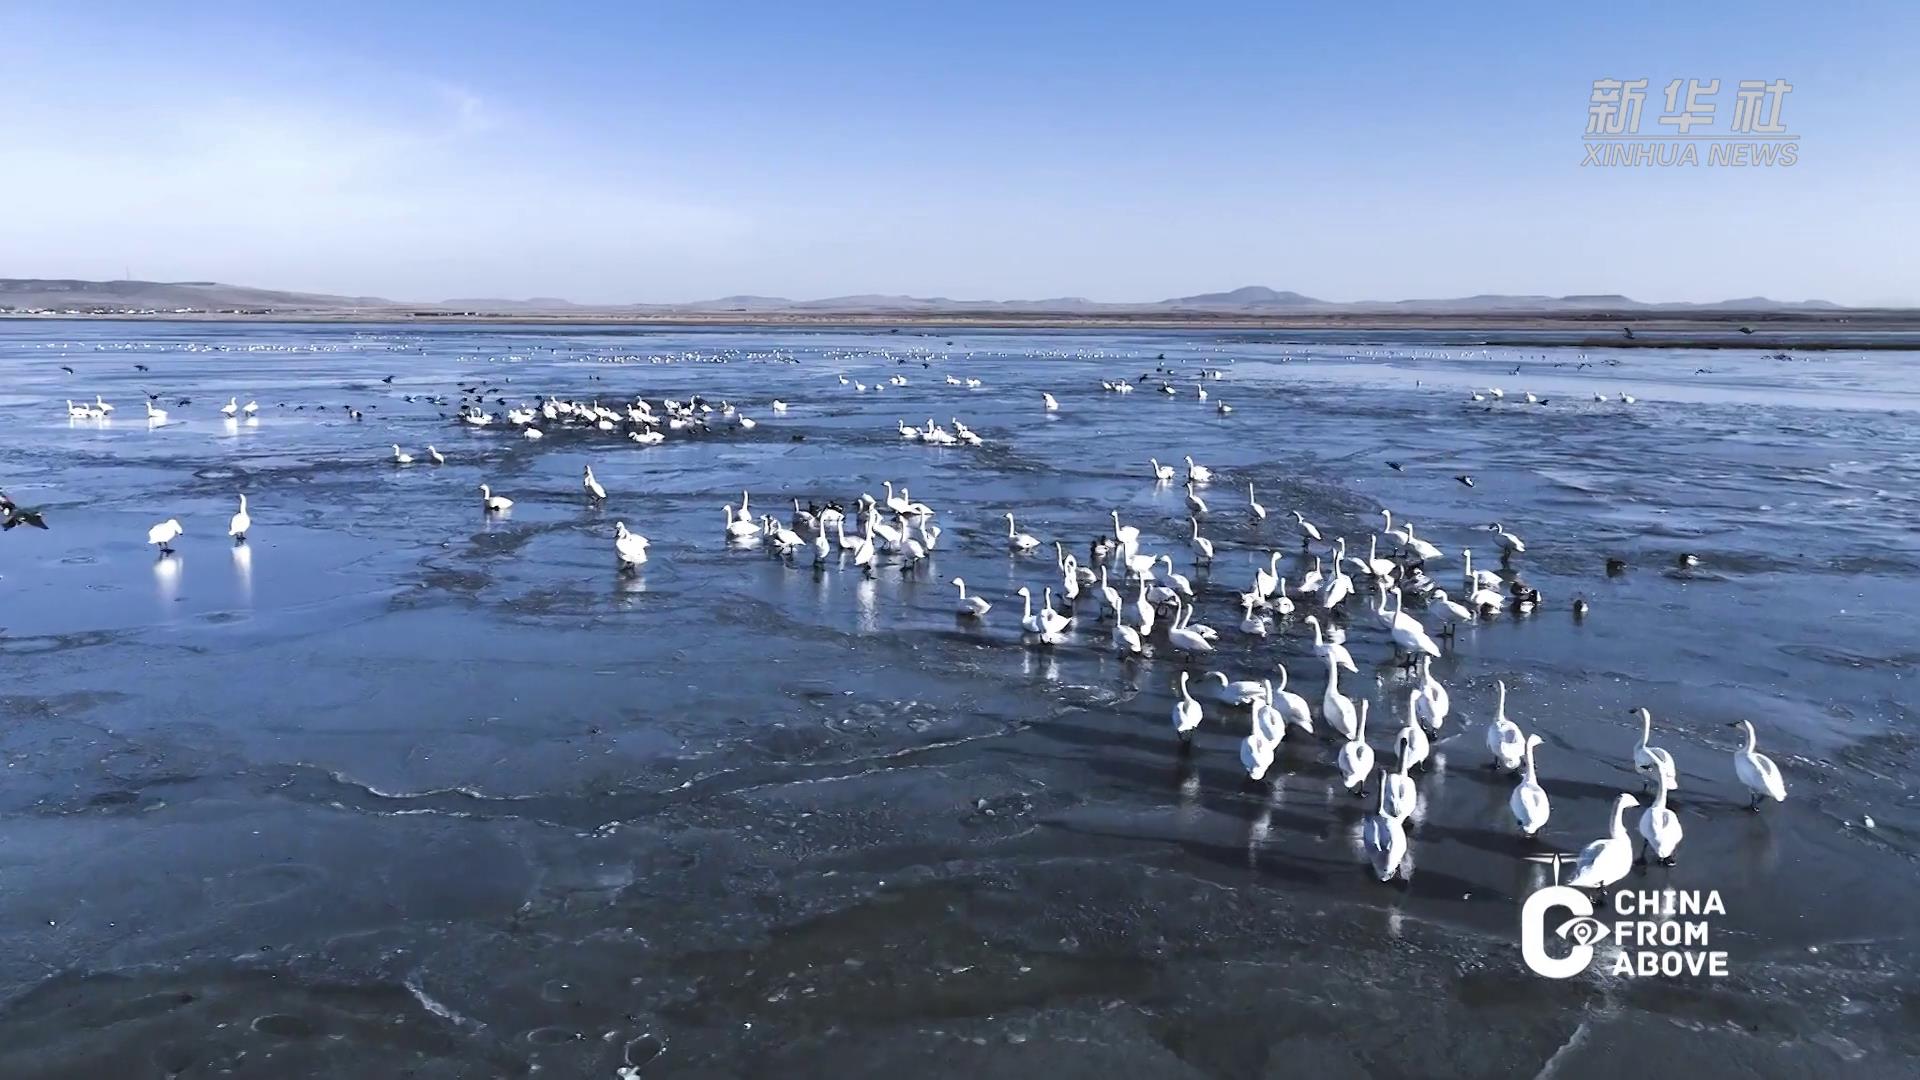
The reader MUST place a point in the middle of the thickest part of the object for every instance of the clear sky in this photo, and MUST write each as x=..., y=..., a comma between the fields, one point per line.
x=666, y=152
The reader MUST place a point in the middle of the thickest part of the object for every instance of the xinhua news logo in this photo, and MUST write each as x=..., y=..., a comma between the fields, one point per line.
x=1656, y=933
x=1690, y=131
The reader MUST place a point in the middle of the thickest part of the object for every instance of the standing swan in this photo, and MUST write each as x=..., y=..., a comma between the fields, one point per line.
x=1757, y=771
x=1186, y=714
x=1336, y=708
x=970, y=606
x=1385, y=839
x=1660, y=828
x=1292, y=707
x=595, y=493
x=1253, y=505
x=242, y=521
x=164, y=534
x=628, y=547
x=1257, y=749
x=1529, y=800
x=1356, y=757
x=1504, y=740
x=1652, y=761
x=1607, y=859
x=1397, y=792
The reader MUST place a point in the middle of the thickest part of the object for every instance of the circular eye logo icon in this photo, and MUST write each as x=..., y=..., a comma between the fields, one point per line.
x=1578, y=927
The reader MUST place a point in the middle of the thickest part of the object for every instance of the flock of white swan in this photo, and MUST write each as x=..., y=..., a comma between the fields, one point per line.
x=1147, y=608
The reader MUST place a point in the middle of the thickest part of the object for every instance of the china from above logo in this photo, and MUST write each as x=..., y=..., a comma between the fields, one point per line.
x=1658, y=932
x=1754, y=133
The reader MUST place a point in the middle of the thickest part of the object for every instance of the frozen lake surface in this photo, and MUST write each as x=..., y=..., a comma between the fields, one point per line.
x=399, y=788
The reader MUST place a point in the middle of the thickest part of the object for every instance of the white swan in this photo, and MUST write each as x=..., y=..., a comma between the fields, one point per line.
x=164, y=534
x=1195, y=504
x=1475, y=581
x=232, y=406
x=1529, y=800
x=1660, y=828
x=1125, y=638
x=1127, y=535
x=1504, y=740
x=1184, y=639
x=155, y=416
x=1435, y=703
x=1251, y=623
x=237, y=527
x=1609, y=858
x=1412, y=734
x=493, y=503
x=1186, y=713
x=1398, y=795
x=1292, y=707
x=1161, y=473
x=1143, y=610
x=1253, y=505
x=1308, y=530
x=971, y=606
x=630, y=548
x=1398, y=536
x=1356, y=757
x=1257, y=749
x=1109, y=595
x=1756, y=770
x=1328, y=649
x=1652, y=761
x=1509, y=543
x=591, y=486
x=1019, y=541
x=1202, y=547
x=1238, y=692
x=1266, y=578
x=401, y=457
x=1336, y=708
x=1385, y=839
x=250, y=408
x=1408, y=635
x=436, y=456
x=1198, y=474
x=1047, y=399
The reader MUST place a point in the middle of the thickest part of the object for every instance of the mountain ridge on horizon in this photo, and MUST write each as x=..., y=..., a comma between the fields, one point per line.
x=61, y=294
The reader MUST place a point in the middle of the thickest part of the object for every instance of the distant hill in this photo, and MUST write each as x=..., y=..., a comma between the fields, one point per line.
x=106, y=297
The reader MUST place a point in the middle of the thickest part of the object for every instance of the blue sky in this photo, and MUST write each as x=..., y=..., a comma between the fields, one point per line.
x=621, y=152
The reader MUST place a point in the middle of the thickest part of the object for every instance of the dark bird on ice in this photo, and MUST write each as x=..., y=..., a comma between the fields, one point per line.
x=1465, y=479
x=66, y=369
x=1396, y=466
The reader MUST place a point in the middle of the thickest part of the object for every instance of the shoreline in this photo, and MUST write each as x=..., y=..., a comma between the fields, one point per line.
x=1862, y=330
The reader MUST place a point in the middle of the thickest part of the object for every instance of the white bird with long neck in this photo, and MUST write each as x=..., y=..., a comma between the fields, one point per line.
x=1435, y=702
x=1609, y=858
x=1126, y=639
x=1504, y=740
x=1292, y=707
x=1422, y=550
x=742, y=527
x=591, y=486
x=232, y=406
x=1408, y=635
x=1195, y=504
x=1186, y=713
x=1184, y=639
x=1018, y=541
x=1385, y=839
x=1266, y=578
x=1660, y=828
x=1197, y=474
x=1177, y=580
x=1161, y=473
x=1413, y=735
x=1336, y=708
x=1651, y=761
x=1257, y=749
x=629, y=548
x=1510, y=544
x=492, y=503
x=1253, y=505
x=241, y=522
x=1356, y=757
x=971, y=606
x=1328, y=649
x=155, y=416
x=1398, y=536
x=401, y=457
x=1202, y=547
x=1477, y=580
x=1109, y=595
x=1529, y=800
x=1309, y=532
x=1143, y=610
x=1047, y=400
x=1398, y=793
x=1756, y=771
x=1339, y=586
x=1238, y=692
x=1250, y=622
x=436, y=456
